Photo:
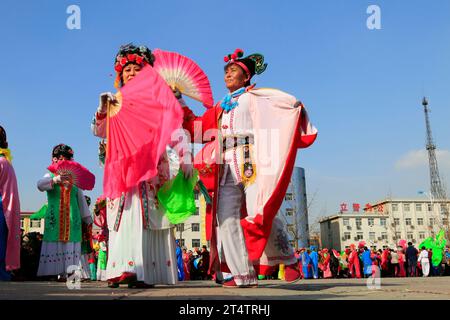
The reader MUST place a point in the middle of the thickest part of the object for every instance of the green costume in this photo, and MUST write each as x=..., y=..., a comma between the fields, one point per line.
x=62, y=218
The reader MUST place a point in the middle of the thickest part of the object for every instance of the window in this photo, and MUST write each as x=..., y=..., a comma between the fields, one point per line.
x=418, y=207
x=396, y=221
x=195, y=227
x=288, y=196
x=384, y=236
x=395, y=207
x=196, y=195
x=347, y=235
x=431, y=221
x=35, y=223
x=420, y=221
x=406, y=207
x=408, y=221
x=180, y=227
x=444, y=221
x=289, y=212
x=443, y=207
x=21, y=223
x=430, y=207
x=196, y=213
x=346, y=222
x=398, y=235
x=291, y=228
x=359, y=236
x=358, y=222
x=371, y=221
x=372, y=236
x=421, y=235
x=409, y=236
x=383, y=222
x=182, y=243
x=195, y=243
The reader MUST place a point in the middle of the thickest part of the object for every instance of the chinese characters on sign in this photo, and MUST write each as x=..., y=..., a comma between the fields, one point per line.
x=368, y=207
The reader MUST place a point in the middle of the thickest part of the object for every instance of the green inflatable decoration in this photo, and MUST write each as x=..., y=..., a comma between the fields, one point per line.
x=177, y=197
x=437, y=246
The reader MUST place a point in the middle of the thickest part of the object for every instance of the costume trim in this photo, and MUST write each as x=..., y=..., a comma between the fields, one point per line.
x=248, y=167
x=144, y=205
x=6, y=153
x=119, y=213
x=64, y=213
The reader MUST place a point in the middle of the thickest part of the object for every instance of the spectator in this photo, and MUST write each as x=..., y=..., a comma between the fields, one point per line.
x=411, y=257
x=424, y=262
x=367, y=261
x=401, y=262
x=205, y=263
x=394, y=263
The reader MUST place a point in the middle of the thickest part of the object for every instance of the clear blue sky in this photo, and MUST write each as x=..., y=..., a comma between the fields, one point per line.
x=362, y=87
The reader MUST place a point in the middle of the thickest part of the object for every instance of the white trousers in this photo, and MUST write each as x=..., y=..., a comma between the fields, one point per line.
x=230, y=237
x=425, y=267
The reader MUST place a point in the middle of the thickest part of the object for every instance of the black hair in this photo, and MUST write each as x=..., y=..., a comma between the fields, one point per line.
x=409, y=243
x=3, y=140
x=62, y=150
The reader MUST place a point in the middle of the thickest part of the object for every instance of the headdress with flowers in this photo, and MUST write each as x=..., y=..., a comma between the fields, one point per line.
x=130, y=53
x=252, y=64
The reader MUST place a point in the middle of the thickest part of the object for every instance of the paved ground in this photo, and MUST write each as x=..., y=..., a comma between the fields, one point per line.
x=336, y=289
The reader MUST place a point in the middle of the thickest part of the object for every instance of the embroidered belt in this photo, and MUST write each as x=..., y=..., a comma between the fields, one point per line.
x=230, y=142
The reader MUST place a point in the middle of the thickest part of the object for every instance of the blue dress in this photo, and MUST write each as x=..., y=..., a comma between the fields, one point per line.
x=315, y=263
x=306, y=261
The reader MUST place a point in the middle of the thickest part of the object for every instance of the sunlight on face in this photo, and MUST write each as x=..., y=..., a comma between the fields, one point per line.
x=130, y=71
x=235, y=77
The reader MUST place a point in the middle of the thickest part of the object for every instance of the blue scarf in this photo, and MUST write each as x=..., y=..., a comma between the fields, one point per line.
x=229, y=102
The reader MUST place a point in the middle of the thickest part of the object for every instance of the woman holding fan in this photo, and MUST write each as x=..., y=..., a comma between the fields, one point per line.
x=141, y=248
x=67, y=209
x=258, y=133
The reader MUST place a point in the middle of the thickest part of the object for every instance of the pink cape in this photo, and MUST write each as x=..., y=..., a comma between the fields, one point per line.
x=139, y=132
x=11, y=209
x=281, y=126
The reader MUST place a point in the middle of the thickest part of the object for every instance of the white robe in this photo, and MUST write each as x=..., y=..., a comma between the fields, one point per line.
x=147, y=252
x=57, y=257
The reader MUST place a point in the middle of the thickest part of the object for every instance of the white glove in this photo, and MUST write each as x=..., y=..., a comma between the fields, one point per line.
x=103, y=101
x=56, y=179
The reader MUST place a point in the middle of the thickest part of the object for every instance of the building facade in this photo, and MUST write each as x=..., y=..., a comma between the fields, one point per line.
x=385, y=223
x=191, y=233
x=28, y=225
x=294, y=210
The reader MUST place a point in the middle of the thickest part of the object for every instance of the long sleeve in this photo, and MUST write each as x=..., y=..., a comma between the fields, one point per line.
x=46, y=183
x=98, y=125
x=41, y=213
x=84, y=209
x=201, y=128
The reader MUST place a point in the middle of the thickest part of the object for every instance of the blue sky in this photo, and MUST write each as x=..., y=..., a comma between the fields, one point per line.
x=362, y=87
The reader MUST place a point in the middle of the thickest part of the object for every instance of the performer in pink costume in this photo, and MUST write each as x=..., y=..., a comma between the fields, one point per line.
x=10, y=234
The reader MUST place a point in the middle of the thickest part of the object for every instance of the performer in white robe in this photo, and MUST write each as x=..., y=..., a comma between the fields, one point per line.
x=61, y=248
x=141, y=248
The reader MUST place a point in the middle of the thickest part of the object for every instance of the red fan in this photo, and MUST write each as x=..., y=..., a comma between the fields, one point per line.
x=184, y=74
x=80, y=176
x=139, y=128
